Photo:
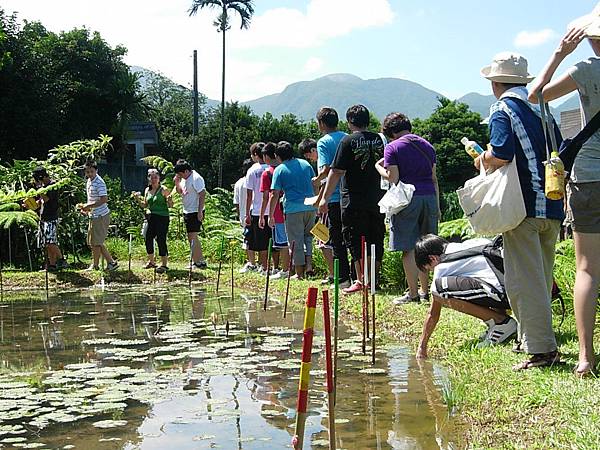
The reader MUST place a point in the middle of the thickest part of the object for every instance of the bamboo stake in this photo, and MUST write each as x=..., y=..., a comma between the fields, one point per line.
x=301, y=407
x=191, y=261
x=364, y=312
x=366, y=289
x=46, y=264
x=287, y=289
x=220, y=263
x=232, y=244
x=1, y=283
x=373, y=281
x=268, y=273
x=329, y=367
x=336, y=299
x=129, y=265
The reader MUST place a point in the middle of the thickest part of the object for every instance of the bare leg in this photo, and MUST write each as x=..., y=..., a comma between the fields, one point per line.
x=151, y=258
x=424, y=281
x=359, y=272
x=284, y=258
x=51, y=250
x=107, y=256
x=262, y=259
x=197, y=251
x=251, y=256
x=96, y=255
x=300, y=271
x=470, y=309
x=411, y=272
x=587, y=255
x=275, y=256
x=164, y=260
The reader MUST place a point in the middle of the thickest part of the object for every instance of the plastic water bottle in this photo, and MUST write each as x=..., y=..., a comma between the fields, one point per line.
x=555, y=177
x=471, y=147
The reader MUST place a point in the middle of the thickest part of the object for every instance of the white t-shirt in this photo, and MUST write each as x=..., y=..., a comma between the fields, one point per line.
x=240, y=197
x=253, y=182
x=95, y=189
x=191, y=187
x=473, y=267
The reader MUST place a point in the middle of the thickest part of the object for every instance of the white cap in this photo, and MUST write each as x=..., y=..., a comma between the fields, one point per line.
x=464, y=141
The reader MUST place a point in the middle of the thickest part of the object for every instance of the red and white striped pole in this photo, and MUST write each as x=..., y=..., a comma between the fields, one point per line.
x=329, y=369
x=302, y=405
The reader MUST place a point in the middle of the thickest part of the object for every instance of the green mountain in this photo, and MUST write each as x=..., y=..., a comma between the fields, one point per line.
x=381, y=96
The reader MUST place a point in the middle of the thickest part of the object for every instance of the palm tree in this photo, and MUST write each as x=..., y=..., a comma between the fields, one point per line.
x=245, y=9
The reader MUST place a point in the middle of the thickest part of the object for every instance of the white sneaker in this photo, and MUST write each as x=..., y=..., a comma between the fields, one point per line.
x=248, y=267
x=499, y=333
x=279, y=275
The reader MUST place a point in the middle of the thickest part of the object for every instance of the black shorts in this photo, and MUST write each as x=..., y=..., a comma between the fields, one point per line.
x=258, y=238
x=363, y=222
x=472, y=290
x=192, y=224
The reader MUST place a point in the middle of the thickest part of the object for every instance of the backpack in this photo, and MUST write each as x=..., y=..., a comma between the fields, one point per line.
x=493, y=254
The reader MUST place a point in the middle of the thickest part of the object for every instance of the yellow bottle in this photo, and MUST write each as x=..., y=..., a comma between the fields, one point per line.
x=555, y=178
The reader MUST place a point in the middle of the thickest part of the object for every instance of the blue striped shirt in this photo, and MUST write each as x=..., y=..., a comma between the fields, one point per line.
x=95, y=189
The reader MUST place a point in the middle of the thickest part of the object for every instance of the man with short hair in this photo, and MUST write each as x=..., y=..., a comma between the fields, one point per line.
x=280, y=240
x=190, y=185
x=294, y=176
x=97, y=210
x=516, y=133
x=354, y=164
x=240, y=198
x=327, y=145
x=308, y=149
x=48, y=230
x=257, y=237
x=467, y=277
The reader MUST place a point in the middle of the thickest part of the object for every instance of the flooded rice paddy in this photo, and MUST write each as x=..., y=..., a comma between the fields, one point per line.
x=149, y=368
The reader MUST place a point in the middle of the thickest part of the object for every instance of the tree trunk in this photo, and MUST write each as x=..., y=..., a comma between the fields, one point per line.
x=222, y=143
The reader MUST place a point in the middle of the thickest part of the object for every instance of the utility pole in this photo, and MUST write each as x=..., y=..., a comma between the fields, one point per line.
x=195, y=126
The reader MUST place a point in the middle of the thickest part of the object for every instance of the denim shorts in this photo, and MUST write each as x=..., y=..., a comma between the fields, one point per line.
x=280, y=239
x=419, y=218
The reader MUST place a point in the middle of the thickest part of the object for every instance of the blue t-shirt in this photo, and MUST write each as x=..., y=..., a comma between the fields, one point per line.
x=294, y=178
x=326, y=148
x=531, y=170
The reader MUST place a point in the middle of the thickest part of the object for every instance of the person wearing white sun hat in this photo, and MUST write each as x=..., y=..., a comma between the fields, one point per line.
x=583, y=189
x=516, y=133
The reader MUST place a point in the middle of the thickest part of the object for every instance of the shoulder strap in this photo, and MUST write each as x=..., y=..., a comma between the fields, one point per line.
x=590, y=128
x=411, y=142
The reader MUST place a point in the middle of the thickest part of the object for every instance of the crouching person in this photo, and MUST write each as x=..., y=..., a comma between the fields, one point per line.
x=467, y=277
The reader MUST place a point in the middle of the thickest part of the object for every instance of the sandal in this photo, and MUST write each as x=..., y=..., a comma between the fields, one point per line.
x=539, y=360
x=150, y=265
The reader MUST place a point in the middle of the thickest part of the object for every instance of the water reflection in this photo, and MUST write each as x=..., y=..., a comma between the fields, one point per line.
x=209, y=389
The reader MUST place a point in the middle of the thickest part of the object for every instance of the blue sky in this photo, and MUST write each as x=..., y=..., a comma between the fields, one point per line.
x=439, y=44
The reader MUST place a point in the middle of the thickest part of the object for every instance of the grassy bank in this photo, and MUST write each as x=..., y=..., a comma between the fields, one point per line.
x=501, y=409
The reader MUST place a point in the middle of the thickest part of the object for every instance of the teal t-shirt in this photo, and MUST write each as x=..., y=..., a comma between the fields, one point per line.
x=294, y=178
x=326, y=149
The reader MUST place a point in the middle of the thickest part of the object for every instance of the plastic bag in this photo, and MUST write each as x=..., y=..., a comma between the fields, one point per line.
x=397, y=197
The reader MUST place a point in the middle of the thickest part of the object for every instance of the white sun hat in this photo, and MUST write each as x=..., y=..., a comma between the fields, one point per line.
x=507, y=67
x=590, y=23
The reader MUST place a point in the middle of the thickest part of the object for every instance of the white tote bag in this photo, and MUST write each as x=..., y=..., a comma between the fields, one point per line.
x=493, y=202
x=396, y=198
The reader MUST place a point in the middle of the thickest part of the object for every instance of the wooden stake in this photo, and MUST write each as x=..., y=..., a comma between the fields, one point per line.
x=130, y=238
x=232, y=244
x=366, y=291
x=268, y=273
x=220, y=263
x=329, y=367
x=364, y=311
x=287, y=289
x=336, y=299
x=373, y=286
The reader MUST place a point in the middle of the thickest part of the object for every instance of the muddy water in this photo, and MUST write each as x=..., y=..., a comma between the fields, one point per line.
x=174, y=369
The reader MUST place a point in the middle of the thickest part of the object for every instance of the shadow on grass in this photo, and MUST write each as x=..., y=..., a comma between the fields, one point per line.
x=74, y=278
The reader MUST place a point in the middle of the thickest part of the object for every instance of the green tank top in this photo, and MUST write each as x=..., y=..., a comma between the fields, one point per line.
x=157, y=203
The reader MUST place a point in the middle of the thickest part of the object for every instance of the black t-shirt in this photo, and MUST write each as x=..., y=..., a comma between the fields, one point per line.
x=50, y=211
x=357, y=154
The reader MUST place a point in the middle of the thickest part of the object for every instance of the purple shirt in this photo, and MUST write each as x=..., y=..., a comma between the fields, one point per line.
x=415, y=166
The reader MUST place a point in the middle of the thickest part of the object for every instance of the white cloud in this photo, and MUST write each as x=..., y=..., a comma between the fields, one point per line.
x=160, y=36
x=529, y=39
x=313, y=65
x=322, y=20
